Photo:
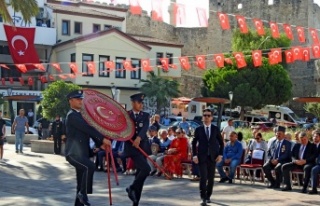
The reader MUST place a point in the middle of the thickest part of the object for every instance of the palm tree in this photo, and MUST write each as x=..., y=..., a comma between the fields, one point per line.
x=160, y=89
x=28, y=9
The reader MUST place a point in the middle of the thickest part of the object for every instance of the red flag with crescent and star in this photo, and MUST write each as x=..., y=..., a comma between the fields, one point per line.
x=224, y=21
x=257, y=58
x=297, y=53
x=288, y=31
x=91, y=67
x=301, y=36
x=21, y=45
x=201, y=61
x=316, y=50
x=145, y=64
x=242, y=24
x=241, y=62
x=289, y=56
x=314, y=35
x=277, y=54
x=259, y=26
x=184, y=62
x=219, y=60
x=274, y=30
x=135, y=7
x=305, y=54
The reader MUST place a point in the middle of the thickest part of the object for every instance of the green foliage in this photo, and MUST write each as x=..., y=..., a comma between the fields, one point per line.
x=1, y=99
x=28, y=9
x=247, y=134
x=54, y=99
x=252, y=41
x=313, y=108
x=255, y=87
x=160, y=89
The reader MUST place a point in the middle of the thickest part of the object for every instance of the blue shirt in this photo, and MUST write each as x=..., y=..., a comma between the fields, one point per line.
x=164, y=145
x=20, y=123
x=233, y=151
x=166, y=121
x=184, y=126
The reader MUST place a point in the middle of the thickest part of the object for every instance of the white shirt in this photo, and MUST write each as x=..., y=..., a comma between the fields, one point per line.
x=227, y=131
x=172, y=137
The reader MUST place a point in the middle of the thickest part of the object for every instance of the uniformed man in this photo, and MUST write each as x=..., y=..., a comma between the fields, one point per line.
x=141, y=121
x=56, y=133
x=77, y=147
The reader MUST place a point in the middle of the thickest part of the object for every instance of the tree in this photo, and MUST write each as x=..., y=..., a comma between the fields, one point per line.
x=251, y=86
x=160, y=89
x=313, y=108
x=54, y=99
x=28, y=9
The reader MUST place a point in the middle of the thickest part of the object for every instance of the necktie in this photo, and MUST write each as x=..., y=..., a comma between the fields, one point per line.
x=278, y=150
x=301, y=152
x=136, y=115
x=207, y=133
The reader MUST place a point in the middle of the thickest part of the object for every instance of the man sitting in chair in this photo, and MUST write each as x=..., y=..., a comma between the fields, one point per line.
x=232, y=154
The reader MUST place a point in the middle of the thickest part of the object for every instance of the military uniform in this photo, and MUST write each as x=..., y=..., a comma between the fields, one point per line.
x=141, y=121
x=77, y=150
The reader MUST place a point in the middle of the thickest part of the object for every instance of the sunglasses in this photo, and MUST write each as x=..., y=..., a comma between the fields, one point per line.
x=178, y=132
x=207, y=115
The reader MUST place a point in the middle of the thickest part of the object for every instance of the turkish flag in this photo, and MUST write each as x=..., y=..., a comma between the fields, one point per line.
x=3, y=81
x=4, y=66
x=274, y=30
x=242, y=24
x=56, y=66
x=297, y=53
x=287, y=29
x=11, y=80
x=127, y=65
x=219, y=60
x=73, y=66
x=21, y=80
x=145, y=64
x=228, y=61
x=110, y=65
x=179, y=14
x=51, y=77
x=157, y=12
x=272, y=59
x=224, y=21
x=201, y=61
x=301, y=36
x=40, y=67
x=202, y=17
x=43, y=79
x=259, y=26
x=30, y=81
x=316, y=50
x=257, y=58
x=135, y=7
x=184, y=61
x=241, y=62
x=277, y=54
x=164, y=63
x=62, y=76
x=289, y=56
x=22, y=68
x=21, y=45
x=91, y=67
x=305, y=54
x=314, y=35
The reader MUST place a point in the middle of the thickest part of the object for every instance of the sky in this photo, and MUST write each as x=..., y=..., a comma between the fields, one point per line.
x=317, y=2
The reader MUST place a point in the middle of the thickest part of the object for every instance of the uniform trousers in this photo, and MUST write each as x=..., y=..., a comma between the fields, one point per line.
x=143, y=171
x=207, y=169
x=57, y=144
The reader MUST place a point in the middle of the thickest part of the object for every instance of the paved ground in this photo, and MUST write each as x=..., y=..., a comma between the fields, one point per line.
x=44, y=179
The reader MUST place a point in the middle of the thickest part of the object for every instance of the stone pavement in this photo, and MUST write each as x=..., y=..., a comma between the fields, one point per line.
x=45, y=179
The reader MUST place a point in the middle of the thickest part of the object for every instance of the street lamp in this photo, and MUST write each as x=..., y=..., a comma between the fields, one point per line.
x=230, y=97
x=113, y=91
x=9, y=94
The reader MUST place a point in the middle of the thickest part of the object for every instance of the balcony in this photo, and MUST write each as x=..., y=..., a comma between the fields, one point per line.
x=44, y=35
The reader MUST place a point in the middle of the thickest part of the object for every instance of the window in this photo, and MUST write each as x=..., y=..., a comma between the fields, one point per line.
x=159, y=55
x=136, y=64
x=12, y=72
x=65, y=27
x=72, y=59
x=86, y=58
x=96, y=28
x=103, y=71
x=4, y=50
x=106, y=27
x=287, y=118
x=120, y=71
x=169, y=56
x=78, y=27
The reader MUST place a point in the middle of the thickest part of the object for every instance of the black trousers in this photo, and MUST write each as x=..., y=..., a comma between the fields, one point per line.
x=143, y=171
x=268, y=167
x=207, y=170
x=84, y=173
x=286, y=168
x=57, y=144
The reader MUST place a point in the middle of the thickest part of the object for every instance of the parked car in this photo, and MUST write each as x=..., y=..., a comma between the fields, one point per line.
x=9, y=125
x=192, y=126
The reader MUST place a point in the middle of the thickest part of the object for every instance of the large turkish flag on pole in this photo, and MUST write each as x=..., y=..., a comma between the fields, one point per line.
x=21, y=45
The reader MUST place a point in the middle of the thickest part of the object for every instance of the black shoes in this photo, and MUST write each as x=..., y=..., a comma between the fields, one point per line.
x=83, y=198
x=153, y=172
x=304, y=190
x=287, y=189
x=132, y=195
x=204, y=202
x=208, y=201
x=313, y=192
x=224, y=179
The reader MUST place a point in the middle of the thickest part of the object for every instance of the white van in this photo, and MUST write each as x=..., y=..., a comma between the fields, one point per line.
x=283, y=115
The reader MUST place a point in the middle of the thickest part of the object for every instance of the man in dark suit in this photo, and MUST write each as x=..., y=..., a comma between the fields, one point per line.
x=208, y=152
x=56, y=133
x=303, y=157
x=316, y=169
x=77, y=149
x=281, y=154
x=141, y=121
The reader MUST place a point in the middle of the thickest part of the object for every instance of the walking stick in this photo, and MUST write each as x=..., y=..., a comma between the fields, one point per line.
x=153, y=162
x=114, y=167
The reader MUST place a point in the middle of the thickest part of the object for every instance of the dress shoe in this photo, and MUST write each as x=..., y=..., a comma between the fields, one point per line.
x=313, y=192
x=159, y=174
x=287, y=189
x=208, y=200
x=83, y=198
x=153, y=172
x=230, y=181
x=304, y=190
x=204, y=202
x=224, y=179
x=271, y=186
x=132, y=195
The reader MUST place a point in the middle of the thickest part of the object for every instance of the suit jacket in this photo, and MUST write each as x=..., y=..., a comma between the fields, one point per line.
x=78, y=133
x=155, y=140
x=141, y=128
x=214, y=146
x=57, y=129
x=310, y=153
x=318, y=155
x=285, y=151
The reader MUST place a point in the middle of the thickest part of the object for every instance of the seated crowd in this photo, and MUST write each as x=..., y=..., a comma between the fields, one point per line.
x=169, y=148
